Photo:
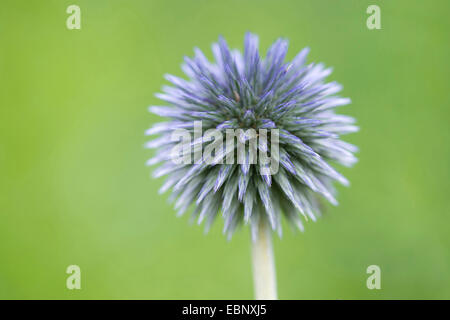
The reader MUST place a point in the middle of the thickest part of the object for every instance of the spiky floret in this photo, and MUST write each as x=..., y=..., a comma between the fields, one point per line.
x=248, y=91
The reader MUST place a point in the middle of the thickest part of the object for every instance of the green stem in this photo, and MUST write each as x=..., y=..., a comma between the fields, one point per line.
x=263, y=264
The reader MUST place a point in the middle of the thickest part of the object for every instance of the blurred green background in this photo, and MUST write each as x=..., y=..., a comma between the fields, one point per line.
x=75, y=188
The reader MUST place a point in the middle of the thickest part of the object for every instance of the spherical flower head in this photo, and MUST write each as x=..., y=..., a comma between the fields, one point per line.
x=281, y=135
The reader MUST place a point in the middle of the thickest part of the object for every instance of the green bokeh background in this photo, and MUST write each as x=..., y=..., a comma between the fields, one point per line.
x=75, y=190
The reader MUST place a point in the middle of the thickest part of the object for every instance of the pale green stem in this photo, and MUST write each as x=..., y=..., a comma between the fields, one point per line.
x=264, y=277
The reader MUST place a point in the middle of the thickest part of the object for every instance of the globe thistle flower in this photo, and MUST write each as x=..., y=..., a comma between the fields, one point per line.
x=247, y=91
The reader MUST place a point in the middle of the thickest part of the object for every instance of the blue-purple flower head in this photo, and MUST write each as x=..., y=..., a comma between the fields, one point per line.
x=247, y=91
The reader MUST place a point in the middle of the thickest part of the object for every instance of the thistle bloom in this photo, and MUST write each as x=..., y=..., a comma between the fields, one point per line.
x=243, y=91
